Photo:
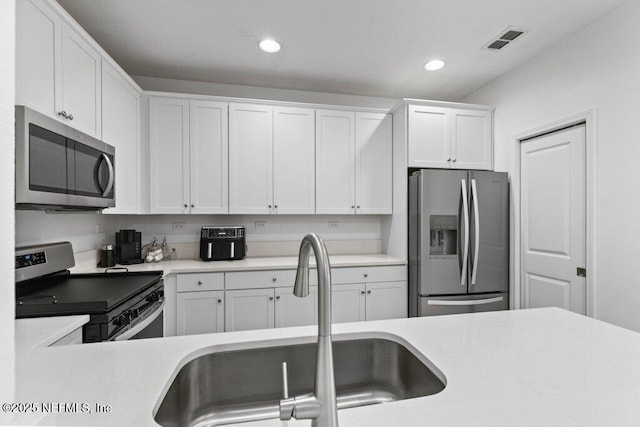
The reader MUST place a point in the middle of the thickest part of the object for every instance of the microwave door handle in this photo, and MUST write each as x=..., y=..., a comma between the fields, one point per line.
x=476, y=229
x=109, y=186
x=465, y=249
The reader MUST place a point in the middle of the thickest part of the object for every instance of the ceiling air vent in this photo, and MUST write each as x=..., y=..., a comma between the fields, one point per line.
x=504, y=38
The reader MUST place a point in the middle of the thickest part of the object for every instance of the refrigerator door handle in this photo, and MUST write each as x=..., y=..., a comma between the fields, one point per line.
x=476, y=228
x=466, y=302
x=465, y=251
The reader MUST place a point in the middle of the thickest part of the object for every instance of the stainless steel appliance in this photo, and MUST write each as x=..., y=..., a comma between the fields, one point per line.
x=218, y=243
x=129, y=247
x=458, y=242
x=121, y=305
x=60, y=168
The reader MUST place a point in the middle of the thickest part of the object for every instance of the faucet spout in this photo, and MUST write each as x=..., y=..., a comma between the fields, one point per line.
x=321, y=407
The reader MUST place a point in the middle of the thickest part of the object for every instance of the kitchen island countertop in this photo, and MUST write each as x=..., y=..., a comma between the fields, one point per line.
x=510, y=368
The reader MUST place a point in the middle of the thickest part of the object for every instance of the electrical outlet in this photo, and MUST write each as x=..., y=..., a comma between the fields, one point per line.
x=177, y=226
x=333, y=225
x=99, y=228
x=261, y=225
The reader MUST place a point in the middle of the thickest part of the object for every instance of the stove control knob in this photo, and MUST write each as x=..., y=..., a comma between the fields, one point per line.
x=121, y=320
x=133, y=313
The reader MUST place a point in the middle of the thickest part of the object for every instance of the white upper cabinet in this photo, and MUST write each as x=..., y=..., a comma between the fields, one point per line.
x=208, y=159
x=353, y=162
x=373, y=163
x=38, y=40
x=169, y=155
x=473, y=138
x=121, y=128
x=58, y=71
x=294, y=160
x=335, y=162
x=271, y=160
x=188, y=156
x=449, y=138
x=250, y=159
x=79, y=102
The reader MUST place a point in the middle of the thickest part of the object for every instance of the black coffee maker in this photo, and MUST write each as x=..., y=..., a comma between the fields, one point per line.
x=128, y=247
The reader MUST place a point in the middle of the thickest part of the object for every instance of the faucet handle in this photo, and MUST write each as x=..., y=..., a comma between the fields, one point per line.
x=287, y=405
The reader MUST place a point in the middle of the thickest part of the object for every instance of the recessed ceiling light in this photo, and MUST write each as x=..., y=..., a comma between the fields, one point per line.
x=269, y=46
x=434, y=65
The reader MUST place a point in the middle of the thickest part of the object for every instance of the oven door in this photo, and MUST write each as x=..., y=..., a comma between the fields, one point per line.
x=150, y=326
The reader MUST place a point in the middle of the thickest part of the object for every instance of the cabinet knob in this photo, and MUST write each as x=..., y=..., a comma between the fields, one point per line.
x=366, y=274
x=454, y=160
x=449, y=159
x=192, y=205
x=353, y=206
x=358, y=207
x=219, y=301
x=70, y=116
x=368, y=292
x=186, y=205
x=274, y=279
x=278, y=297
x=361, y=292
x=269, y=206
x=199, y=282
x=270, y=298
x=63, y=114
x=275, y=206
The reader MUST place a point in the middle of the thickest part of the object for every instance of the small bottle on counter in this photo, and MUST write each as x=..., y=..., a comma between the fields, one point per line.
x=166, y=252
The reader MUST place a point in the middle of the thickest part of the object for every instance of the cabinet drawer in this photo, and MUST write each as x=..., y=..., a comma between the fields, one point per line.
x=368, y=274
x=200, y=282
x=259, y=279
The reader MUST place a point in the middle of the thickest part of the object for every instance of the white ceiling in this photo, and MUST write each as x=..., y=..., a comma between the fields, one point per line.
x=364, y=47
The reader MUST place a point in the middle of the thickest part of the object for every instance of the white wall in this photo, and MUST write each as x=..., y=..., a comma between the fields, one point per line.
x=7, y=100
x=597, y=67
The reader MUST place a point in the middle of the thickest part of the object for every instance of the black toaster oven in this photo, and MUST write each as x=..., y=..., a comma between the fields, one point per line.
x=219, y=243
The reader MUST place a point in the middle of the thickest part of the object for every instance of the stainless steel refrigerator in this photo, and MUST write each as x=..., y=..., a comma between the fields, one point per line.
x=458, y=242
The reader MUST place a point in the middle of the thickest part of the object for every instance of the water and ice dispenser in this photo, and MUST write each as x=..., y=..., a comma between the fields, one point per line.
x=444, y=236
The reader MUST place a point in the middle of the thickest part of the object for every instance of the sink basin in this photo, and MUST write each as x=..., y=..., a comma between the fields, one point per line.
x=246, y=385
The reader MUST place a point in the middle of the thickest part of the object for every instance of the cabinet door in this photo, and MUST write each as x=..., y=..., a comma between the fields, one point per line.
x=386, y=300
x=348, y=303
x=81, y=89
x=168, y=155
x=250, y=159
x=38, y=37
x=249, y=309
x=294, y=160
x=120, y=128
x=472, y=139
x=200, y=312
x=374, y=166
x=429, y=137
x=294, y=311
x=208, y=142
x=335, y=162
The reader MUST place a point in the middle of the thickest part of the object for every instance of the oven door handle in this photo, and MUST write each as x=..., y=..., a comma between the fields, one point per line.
x=140, y=326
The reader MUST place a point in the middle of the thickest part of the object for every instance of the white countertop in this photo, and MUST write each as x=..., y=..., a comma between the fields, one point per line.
x=543, y=367
x=44, y=331
x=257, y=263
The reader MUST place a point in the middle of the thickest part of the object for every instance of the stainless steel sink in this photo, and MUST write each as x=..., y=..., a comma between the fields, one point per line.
x=245, y=385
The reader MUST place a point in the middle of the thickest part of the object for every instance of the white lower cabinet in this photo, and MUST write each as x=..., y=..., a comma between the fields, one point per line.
x=249, y=309
x=200, y=303
x=249, y=300
x=200, y=312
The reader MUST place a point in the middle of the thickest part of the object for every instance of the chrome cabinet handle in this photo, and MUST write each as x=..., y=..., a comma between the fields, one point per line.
x=70, y=116
x=63, y=114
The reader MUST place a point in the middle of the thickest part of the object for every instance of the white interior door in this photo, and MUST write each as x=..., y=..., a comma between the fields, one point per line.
x=553, y=220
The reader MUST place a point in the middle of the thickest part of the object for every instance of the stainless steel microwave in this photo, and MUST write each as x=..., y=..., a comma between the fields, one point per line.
x=60, y=168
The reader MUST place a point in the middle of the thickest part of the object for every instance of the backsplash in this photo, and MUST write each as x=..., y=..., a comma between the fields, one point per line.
x=89, y=231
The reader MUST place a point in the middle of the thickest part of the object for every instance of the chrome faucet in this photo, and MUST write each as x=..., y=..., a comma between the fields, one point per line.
x=320, y=406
